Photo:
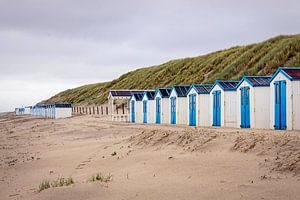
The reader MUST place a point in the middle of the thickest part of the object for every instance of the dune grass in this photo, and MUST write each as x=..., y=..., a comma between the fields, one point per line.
x=60, y=182
x=256, y=59
x=101, y=178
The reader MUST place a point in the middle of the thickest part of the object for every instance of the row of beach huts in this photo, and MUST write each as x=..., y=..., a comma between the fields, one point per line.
x=52, y=111
x=264, y=102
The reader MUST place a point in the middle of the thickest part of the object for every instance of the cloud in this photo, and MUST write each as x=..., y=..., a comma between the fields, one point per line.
x=65, y=43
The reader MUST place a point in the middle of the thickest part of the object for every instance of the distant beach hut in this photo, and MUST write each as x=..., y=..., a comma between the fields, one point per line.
x=199, y=105
x=62, y=110
x=223, y=103
x=162, y=105
x=149, y=107
x=136, y=107
x=285, y=99
x=177, y=104
x=253, y=110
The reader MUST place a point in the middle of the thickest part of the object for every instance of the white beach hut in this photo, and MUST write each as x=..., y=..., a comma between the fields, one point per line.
x=285, y=99
x=253, y=110
x=62, y=110
x=162, y=111
x=177, y=104
x=199, y=105
x=136, y=108
x=149, y=107
x=223, y=103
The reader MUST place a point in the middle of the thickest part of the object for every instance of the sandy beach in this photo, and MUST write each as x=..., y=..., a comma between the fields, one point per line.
x=145, y=161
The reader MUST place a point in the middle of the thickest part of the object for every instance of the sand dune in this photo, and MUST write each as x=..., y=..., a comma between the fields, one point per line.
x=145, y=161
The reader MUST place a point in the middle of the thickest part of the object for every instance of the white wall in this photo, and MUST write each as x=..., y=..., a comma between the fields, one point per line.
x=296, y=105
x=203, y=110
x=63, y=112
x=181, y=110
x=289, y=108
x=165, y=114
x=261, y=109
x=230, y=109
x=151, y=111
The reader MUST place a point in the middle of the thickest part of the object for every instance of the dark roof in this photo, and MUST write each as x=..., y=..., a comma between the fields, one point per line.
x=138, y=96
x=165, y=92
x=181, y=90
x=202, y=88
x=150, y=94
x=227, y=85
x=292, y=73
x=124, y=93
x=256, y=81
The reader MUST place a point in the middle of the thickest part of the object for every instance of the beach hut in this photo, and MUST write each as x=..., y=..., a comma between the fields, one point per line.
x=253, y=110
x=177, y=104
x=199, y=105
x=285, y=99
x=136, y=108
x=62, y=110
x=223, y=103
x=149, y=107
x=162, y=111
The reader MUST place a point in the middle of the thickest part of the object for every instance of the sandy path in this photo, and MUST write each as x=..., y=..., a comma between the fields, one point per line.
x=151, y=162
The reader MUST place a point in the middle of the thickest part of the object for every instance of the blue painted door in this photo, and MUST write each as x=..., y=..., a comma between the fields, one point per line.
x=280, y=105
x=217, y=108
x=173, y=110
x=245, y=107
x=145, y=112
x=192, y=109
x=158, y=110
x=133, y=111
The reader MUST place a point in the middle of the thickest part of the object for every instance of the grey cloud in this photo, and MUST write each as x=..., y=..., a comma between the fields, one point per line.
x=65, y=43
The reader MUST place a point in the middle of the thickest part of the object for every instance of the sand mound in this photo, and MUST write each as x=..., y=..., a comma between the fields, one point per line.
x=188, y=139
x=283, y=150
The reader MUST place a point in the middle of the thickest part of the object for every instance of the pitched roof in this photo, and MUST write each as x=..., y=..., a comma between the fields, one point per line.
x=256, y=81
x=164, y=92
x=181, y=90
x=227, y=85
x=124, y=93
x=292, y=73
x=202, y=88
x=138, y=96
x=150, y=94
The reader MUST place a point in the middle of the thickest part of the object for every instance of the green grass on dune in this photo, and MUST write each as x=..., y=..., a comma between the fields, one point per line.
x=229, y=64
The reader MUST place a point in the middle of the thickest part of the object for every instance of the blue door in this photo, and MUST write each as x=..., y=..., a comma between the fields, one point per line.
x=245, y=107
x=192, y=109
x=145, y=112
x=133, y=111
x=217, y=108
x=173, y=110
x=280, y=105
x=158, y=110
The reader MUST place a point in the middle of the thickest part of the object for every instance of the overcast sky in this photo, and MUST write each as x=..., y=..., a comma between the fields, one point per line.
x=49, y=46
